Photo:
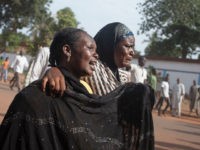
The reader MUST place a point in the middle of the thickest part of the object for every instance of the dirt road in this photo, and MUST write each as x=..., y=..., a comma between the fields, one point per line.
x=170, y=133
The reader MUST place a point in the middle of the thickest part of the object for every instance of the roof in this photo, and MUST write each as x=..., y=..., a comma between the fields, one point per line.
x=161, y=58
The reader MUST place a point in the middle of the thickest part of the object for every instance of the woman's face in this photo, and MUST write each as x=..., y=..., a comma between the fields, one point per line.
x=124, y=52
x=84, y=56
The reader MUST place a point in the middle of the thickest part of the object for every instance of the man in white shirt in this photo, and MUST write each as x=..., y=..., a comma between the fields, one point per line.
x=18, y=65
x=164, y=96
x=138, y=72
x=39, y=65
x=178, y=95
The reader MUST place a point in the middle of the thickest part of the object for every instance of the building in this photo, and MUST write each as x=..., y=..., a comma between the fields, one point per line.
x=185, y=69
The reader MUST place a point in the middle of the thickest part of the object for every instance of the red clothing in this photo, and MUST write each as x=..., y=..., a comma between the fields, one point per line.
x=5, y=64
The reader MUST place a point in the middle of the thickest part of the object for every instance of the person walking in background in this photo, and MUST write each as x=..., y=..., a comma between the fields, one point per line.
x=152, y=79
x=5, y=66
x=138, y=71
x=197, y=104
x=164, y=96
x=193, y=95
x=178, y=95
x=158, y=87
x=19, y=64
x=39, y=65
x=170, y=92
x=1, y=61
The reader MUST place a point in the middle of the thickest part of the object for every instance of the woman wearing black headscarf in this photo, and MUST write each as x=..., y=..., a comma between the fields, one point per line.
x=115, y=47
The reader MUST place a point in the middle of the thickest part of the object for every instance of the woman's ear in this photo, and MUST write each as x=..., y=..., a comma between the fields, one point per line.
x=67, y=51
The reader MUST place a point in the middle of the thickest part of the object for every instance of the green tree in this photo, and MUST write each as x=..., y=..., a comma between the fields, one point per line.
x=66, y=18
x=161, y=47
x=42, y=32
x=10, y=41
x=35, y=18
x=17, y=14
x=176, y=24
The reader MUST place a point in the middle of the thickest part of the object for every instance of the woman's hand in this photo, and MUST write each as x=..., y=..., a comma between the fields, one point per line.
x=55, y=81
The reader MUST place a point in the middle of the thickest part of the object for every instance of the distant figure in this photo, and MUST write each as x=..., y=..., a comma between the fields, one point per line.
x=193, y=95
x=152, y=79
x=5, y=66
x=39, y=65
x=18, y=65
x=178, y=95
x=1, y=61
x=164, y=96
x=197, y=104
x=138, y=72
x=158, y=85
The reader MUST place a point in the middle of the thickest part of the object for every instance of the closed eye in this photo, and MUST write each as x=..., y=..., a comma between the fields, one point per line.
x=130, y=46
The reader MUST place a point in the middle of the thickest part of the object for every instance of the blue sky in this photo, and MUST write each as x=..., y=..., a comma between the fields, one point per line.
x=94, y=14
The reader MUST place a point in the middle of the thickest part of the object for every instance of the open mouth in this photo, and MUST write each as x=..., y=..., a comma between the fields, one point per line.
x=92, y=64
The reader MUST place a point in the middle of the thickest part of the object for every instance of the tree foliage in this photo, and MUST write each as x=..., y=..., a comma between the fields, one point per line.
x=66, y=18
x=12, y=39
x=46, y=26
x=176, y=24
x=17, y=14
x=34, y=17
x=161, y=47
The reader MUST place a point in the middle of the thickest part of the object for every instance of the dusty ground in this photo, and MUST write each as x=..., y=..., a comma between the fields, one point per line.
x=170, y=133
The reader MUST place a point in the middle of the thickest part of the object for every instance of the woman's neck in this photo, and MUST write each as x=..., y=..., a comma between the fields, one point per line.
x=76, y=75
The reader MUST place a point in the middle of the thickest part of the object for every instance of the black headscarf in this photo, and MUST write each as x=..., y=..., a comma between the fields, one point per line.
x=106, y=40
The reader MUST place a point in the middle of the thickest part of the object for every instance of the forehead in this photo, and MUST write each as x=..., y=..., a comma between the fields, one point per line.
x=129, y=39
x=85, y=37
x=85, y=40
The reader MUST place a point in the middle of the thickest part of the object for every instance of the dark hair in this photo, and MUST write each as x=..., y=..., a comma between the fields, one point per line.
x=153, y=71
x=66, y=36
x=141, y=57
